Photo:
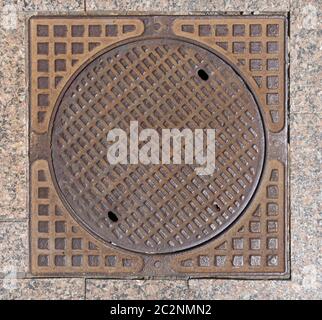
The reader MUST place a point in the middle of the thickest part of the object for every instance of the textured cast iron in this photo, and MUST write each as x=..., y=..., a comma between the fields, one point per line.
x=156, y=208
x=90, y=74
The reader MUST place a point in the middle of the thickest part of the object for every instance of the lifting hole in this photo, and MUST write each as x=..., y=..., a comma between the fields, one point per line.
x=113, y=217
x=203, y=74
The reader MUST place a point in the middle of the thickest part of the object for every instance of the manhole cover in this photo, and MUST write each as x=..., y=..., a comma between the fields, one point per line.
x=218, y=81
x=157, y=82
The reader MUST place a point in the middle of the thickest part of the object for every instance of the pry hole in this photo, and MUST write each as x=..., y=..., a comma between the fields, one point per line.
x=203, y=74
x=113, y=217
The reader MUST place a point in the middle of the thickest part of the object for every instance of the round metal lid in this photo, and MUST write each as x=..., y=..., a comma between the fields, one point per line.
x=161, y=84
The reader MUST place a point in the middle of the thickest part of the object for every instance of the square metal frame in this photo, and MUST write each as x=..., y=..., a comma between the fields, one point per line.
x=256, y=246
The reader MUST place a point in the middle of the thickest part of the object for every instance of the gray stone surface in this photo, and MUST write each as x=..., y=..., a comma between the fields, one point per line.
x=305, y=159
x=42, y=5
x=306, y=195
x=42, y=289
x=305, y=98
x=183, y=7
x=13, y=249
x=305, y=139
x=13, y=118
x=306, y=44
x=115, y=5
x=136, y=289
x=248, y=290
x=260, y=5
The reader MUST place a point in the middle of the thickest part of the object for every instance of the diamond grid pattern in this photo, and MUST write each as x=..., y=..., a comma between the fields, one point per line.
x=176, y=225
x=256, y=47
x=254, y=243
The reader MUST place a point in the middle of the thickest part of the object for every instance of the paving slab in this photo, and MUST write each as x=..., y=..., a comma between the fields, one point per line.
x=13, y=249
x=42, y=289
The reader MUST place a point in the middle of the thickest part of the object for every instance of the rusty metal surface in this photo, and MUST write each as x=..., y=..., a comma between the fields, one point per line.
x=160, y=208
x=168, y=220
